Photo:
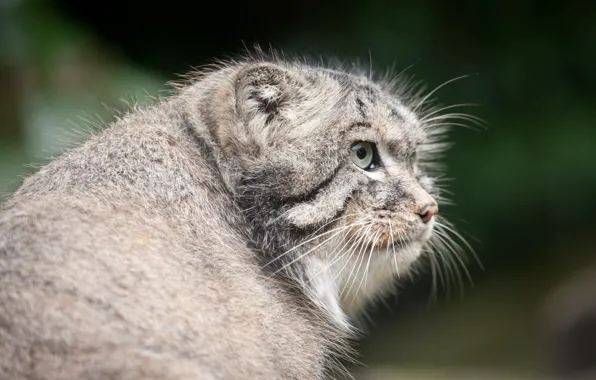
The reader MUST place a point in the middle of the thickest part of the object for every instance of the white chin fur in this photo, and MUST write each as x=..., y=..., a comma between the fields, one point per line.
x=346, y=287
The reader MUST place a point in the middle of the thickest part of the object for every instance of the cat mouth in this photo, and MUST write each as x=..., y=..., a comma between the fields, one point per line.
x=386, y=242
x=391, y=238
x=389, y=243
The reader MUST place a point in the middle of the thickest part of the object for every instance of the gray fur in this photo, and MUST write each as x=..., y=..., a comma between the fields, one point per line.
x=194, y=239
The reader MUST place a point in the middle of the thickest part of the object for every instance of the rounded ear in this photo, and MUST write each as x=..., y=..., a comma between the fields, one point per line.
x=264, y=96
x=262, y=91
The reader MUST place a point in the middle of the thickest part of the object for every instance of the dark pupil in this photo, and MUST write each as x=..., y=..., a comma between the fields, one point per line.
x=361, y=153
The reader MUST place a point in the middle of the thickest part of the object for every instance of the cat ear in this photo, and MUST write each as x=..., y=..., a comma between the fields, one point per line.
x=264, y=94
x=266, y=98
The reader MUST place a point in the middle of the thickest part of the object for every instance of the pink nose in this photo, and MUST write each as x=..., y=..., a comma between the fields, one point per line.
x=427, y=213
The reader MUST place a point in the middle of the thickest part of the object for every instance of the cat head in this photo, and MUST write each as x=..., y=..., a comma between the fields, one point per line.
x=335, y=173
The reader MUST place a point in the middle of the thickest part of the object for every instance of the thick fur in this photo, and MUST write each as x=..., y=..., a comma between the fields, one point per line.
x=223, y=233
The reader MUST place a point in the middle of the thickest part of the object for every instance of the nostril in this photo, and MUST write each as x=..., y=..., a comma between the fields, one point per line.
x=428, y=212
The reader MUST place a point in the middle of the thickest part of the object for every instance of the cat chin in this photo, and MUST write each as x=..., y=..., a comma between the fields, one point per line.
x=361, y=284
x=348, y=285
x=380, y=280
x=428, y=231
x=409, y=254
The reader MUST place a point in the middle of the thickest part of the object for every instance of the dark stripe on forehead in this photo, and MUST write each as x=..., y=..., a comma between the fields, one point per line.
x=361, y=107
x=362, y=125
x=397, y=115
x=367, y=90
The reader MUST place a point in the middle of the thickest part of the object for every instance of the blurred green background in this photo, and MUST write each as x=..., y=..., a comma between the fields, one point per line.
x=525, y=188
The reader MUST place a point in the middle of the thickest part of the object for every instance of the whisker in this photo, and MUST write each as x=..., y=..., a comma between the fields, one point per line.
x=437, y=89
x=339, y=254
x=424, y=119
x=433, y=257
x=449, y=243
x=341, y=229
x=301, y=244
x=433, y=269
x=334, y=220
x=452, y=273
x=370, y=254
x=452, y=124
x=359, y=260
x=393, y=248
x=458, y=116
x=445, y=224
x=359, y=241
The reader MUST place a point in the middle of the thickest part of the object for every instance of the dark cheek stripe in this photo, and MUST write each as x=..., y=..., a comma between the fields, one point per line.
x=259, y=197
x=312, y=194
x=271, y=234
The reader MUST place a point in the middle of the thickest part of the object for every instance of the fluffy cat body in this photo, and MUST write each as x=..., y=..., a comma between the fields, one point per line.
x=223, y=233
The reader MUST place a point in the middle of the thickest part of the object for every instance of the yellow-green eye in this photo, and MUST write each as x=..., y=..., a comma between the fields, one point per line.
x=365, y=155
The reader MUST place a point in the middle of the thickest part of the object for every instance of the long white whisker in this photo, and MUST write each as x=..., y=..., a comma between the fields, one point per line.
x=451, y=124
x=341, y=229
x=340, y=253
x=354, y=247
x=333, y=220
x=434, y=112
x=437, y=89
x=446, y=226
x=457, y=116
x=393, y=248
x=433, y=269
x=370, y=254
x=451, y=272
x=447, y=242
x=438, y=268
x=359, y=260
x=301, y=244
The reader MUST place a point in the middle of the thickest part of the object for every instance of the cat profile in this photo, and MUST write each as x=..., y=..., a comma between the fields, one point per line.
x=230, y=231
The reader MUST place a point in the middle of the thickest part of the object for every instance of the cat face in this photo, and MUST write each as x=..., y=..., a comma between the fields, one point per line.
x=335, y=175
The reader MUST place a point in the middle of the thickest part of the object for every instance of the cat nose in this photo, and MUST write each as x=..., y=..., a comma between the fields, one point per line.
x=427, y=212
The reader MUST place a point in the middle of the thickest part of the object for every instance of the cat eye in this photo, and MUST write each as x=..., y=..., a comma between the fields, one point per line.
x=365, y=155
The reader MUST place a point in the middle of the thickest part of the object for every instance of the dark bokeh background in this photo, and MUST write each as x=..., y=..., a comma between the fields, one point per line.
x=525, y=188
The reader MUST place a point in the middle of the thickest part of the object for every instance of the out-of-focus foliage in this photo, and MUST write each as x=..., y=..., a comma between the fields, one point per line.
x=525, y=188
